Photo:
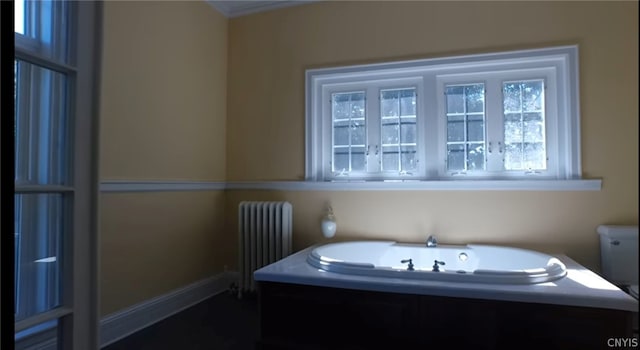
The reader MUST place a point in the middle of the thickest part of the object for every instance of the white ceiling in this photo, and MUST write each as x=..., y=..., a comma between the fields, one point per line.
x=236, y=8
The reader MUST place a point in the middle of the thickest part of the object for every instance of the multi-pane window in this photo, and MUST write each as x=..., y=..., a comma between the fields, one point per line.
x=398, y=128
x=373, y=131
x=498, y=116
x=43, y=153
x=465, y=127
x=524, y=125
x=54, y=206
x=349, y=133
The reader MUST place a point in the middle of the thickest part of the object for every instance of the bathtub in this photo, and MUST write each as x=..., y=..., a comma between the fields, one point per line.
x=468, y=263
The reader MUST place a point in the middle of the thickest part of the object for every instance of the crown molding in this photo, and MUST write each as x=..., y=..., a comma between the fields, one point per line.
x=237, y=8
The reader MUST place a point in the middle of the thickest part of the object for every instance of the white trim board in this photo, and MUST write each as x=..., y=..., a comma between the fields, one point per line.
x=120, y=324
x=159, y=186
x=123, y=323
x=414, y=185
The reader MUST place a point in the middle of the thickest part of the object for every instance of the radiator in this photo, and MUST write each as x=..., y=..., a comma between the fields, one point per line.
x=265, y=237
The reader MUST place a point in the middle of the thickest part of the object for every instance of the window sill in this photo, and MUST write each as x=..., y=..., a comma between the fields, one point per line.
x=416, y=185
x=358, y=185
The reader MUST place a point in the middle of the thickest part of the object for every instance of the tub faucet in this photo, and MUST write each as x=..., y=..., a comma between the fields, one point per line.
x=431, y=241
x=410, y=267
x=436, y=265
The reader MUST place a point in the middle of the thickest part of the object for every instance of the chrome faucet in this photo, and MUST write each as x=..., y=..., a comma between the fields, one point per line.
x=431, y=241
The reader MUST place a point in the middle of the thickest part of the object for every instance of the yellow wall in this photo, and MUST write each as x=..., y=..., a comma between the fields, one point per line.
x=156, y=242
x=269, y=53
x=189, y=95
x=162, y=117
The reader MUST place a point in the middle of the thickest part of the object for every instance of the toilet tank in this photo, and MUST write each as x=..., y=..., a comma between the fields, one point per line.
x=619, y=253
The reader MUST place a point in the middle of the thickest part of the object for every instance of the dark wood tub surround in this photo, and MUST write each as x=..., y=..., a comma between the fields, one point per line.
x=296, y=316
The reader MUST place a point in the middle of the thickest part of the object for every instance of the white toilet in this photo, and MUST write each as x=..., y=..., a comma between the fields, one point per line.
x=619, y=258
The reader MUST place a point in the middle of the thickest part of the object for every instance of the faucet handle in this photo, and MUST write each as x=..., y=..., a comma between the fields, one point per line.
x=410, y=266
x=436, y=267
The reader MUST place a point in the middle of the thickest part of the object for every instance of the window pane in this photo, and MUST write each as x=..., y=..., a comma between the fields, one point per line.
x=357, y=159
x=42, y=25
x=408, y=131
x=455, y=99
x=534, y=156
x=340, y=105
x=474, y=95
x=533, y=127
x=42, y=126
x=358, y=134
x=475, y=157
x=455, y=128
x=390, y=132
x=357, y=105
x=341, y=161
x=390, y=103
x=512, y=128
x=455, y=157
x=513, y=156
x=408, y=159
x=408, y=102
x=19, y=16
x=390, y=160
x=475, y=128
x=532, y=96
x=341, y=133
x=511, y=97
x=39, y=225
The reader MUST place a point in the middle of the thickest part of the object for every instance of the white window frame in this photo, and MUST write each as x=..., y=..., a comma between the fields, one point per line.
x=77, y=316
x=560, y=66
x=493, y=82
x=372, y=90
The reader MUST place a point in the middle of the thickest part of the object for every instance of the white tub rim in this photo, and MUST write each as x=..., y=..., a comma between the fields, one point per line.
x=553, y=270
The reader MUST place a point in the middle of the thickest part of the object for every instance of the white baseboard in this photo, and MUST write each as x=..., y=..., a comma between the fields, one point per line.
x=122, y=323
x=125, y=322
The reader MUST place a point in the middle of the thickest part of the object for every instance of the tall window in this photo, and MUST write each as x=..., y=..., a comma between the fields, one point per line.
x=510, y=115
x=53, y=203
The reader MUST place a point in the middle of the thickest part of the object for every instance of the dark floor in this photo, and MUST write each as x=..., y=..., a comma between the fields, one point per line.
x=221, y=322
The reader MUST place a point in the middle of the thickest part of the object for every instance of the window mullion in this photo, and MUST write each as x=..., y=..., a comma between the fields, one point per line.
x=373, y=131
x=322, y=145
x=43, y=61
x=23, y=124
x=465, y=129
x=43, y=317
x=33, y=140
x=45, y=118
x=494, y=124
x=349, y=134
x=399, y=146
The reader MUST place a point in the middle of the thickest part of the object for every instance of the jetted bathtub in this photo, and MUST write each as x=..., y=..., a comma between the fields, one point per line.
x=468, y=263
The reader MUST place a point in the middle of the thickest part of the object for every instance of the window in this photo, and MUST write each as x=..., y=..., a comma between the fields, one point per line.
x=511, y=115
x=372, y=130
x=54, y=205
